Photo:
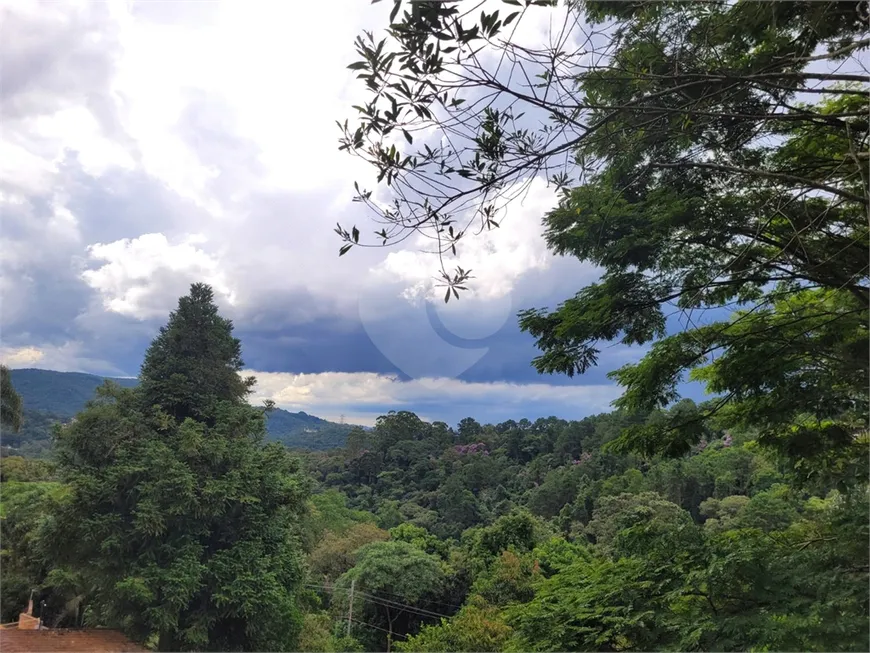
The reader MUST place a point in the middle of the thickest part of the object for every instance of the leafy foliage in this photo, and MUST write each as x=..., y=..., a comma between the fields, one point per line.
x=720, y=549
x=477, y=627
x=17, y=468
x=389, y=578
x=26, y=563
x=337, y=553
x=186, y=525
x=717, y=550
x=11, y=407
x=185, y=385
x=710, y=157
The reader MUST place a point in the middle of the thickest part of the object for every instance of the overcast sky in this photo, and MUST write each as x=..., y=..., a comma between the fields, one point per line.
x=148, y=145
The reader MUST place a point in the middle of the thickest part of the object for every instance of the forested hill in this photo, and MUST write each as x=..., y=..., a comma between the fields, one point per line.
x=537, y=536
x=62, y=394
x=51, y=396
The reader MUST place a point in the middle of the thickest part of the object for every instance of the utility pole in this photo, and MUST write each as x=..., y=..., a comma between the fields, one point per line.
x=350, y=607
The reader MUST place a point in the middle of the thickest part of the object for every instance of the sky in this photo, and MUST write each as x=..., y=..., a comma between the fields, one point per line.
x=148, y=145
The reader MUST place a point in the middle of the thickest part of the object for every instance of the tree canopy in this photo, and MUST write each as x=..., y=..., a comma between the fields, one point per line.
x=719, y=549
x=11, y=406
x=711, y=156
x=186, y=525
x=711, y=161
x=194, y=361
x=388, y=579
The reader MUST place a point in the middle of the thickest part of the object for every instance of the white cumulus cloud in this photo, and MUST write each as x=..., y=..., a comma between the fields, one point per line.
x=66, y=357
x=335, y=393
x=132, y=277
x=129, y=126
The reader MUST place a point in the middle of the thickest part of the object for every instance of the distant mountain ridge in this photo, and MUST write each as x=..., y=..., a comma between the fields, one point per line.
x=62, y=394
x=51, y=396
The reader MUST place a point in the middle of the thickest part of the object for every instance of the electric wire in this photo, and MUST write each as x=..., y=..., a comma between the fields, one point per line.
x=384, y=602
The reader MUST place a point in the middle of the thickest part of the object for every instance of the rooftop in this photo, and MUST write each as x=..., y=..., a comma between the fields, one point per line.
x=66, y=641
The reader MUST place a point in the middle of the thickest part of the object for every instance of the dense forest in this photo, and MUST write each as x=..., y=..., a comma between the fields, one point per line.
x=712, y=160
x=191, y=532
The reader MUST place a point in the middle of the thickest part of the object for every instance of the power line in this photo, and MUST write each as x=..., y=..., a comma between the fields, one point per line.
x=449, y=605
x=388, y=603
x=389, y=632
x=385, y=602
x=381, y=599
x=396, y=605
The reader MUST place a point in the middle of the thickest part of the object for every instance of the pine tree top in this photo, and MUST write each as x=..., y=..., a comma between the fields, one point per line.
x=194, y=362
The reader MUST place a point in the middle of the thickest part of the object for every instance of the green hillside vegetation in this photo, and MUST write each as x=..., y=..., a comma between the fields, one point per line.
x=191, y=532
x=718, y=550
x=63, y=394
x=34, y=438
x=717, y=157
x=303, y=431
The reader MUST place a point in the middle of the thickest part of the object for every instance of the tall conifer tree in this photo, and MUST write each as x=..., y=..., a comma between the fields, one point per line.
x=184, y=523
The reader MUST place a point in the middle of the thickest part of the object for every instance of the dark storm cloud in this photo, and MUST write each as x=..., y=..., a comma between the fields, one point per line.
x=117, y=339
x=45, y=310
x=342, y=344
x=312, y=348
x=38, y=271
